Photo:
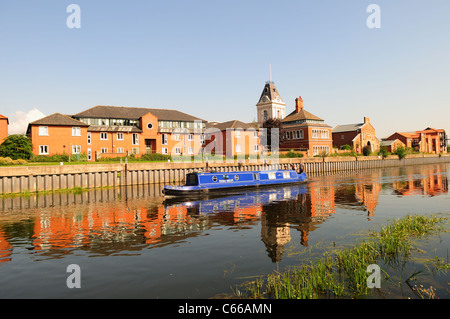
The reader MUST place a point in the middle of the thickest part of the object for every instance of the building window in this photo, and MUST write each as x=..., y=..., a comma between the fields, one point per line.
x=176, y=137
x=76, y=149
x=120, y=136
x=89, y=138
x=135, y=139
x=164, y=139
x=317, y=133
x=319, y=149
x=238, y=148
x=149, y=126
x=135, y=150
x=76, y=131
x=190, y=150
x=202, y=139
x=165, y=150
x=177, y=150
x=104, y=150
x=190, y=137
x=43, y=130
x=89, y=154
x=103, y=136
x=255, y=134
x=43, y=149
x=265, y=115
x=256, y=147
x=237, y=133
x=342, y=136
x=120, y=150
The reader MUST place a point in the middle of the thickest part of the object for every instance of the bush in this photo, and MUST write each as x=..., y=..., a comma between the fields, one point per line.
x=346, y=147
x=383, y=152
x=366, y=150
x=400, y=152
x=292, y=154
x=53, y=158
x=6, y=161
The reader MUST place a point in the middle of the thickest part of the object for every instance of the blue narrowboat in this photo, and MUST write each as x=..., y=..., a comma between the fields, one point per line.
x=203, y=183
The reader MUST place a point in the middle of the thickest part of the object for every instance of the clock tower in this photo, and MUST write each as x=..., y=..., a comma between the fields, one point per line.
x=270, y=104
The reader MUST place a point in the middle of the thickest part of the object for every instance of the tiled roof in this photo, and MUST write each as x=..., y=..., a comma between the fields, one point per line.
x=58, y=119
x=122, y=112
x=347, y=128
x=301, y=115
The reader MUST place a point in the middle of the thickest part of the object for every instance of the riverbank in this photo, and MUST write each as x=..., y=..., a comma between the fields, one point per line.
x=35, y=179
x=355, y=272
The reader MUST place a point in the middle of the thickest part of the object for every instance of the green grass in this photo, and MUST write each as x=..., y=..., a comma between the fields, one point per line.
x=344, y=273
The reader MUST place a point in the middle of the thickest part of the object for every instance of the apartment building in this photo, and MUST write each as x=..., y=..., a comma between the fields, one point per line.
x=115, y=131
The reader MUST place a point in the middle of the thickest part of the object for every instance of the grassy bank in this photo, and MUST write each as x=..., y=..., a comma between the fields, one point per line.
x=343, y=274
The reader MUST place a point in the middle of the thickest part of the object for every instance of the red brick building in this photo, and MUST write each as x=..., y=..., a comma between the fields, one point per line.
x=58, y=134
x=4, y=122
x=429, y=140
x=305, y=131
x=357, y=135
x=112, y=131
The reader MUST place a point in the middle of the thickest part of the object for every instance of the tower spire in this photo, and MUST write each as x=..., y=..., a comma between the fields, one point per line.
x=270, y=70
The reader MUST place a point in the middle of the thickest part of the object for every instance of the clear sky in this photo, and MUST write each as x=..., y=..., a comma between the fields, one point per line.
x=211, y=59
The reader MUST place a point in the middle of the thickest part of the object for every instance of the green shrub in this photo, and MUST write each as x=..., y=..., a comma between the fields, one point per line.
x=292, y=154
x=400, y=152
x=383, y=152
x=47, y=158
x=366, y=150
x=346, y=147
x=6, y=161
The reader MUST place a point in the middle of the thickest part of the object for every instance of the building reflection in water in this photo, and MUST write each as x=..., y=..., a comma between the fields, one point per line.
x=112, y=220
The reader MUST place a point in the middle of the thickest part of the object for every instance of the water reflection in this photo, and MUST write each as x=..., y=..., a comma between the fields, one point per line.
x=127, y=220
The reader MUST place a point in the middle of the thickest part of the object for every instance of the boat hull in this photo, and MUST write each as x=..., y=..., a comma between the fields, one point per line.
x=237, y=181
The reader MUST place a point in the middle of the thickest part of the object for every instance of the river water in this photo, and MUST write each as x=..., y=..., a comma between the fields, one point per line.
x=131, y=243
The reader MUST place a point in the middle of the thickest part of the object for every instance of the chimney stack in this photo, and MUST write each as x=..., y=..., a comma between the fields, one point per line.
x=366, y=120
x=298, y=104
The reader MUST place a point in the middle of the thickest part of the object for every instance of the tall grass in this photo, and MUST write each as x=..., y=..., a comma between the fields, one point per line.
x=343, y=274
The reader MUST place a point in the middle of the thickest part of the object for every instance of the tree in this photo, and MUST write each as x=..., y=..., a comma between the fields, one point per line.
x=273, y=124
x=16, y=146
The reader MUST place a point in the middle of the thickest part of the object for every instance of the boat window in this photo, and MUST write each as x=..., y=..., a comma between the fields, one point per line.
x=272, y=175
x=191, y=180
x=286, y=175
x=256, y=176
x=214, y=178
x=236, y=177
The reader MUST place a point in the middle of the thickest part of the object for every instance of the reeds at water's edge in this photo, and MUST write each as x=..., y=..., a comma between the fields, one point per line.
x=344, y=273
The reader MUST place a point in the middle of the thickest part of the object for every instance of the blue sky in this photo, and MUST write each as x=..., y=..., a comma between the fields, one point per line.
x=211, y=59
